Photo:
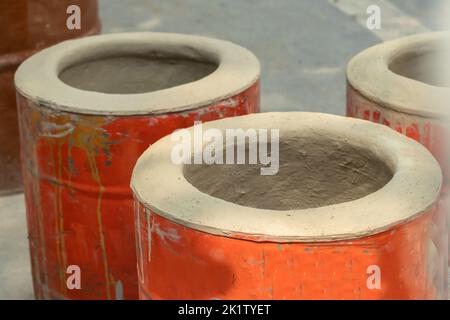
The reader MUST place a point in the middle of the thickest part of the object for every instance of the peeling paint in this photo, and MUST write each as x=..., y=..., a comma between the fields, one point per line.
x=76, y=175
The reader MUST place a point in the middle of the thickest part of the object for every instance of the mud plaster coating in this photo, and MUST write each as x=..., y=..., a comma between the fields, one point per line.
x=426, y=66
x=415, y=172
x=155, y=51
x=406, y=74
x=135, y=74
x=431, y=133
x=313, y=172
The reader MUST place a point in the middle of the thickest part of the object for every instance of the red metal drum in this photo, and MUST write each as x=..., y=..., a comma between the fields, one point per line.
x=349, y=215
x=88, y=108
x=402, y=84
x=37, y=24
x=28, y=26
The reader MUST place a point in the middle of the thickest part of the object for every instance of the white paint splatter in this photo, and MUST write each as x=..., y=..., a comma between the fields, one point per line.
x=169, y=234
x=53, y=130
x=232, y=102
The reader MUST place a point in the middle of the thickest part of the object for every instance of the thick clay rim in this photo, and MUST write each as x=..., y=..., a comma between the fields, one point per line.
x=159, y=185
x=37, y=78
x=368, y=72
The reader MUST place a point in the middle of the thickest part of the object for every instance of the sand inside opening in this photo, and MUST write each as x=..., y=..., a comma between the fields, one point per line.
x=428, y=66
x=313, y=172
x=135, y=73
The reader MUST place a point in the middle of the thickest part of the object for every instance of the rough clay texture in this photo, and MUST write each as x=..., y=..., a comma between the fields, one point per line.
x=313, y=173
x=406, y=75
x=424, y=67
x=134, y=74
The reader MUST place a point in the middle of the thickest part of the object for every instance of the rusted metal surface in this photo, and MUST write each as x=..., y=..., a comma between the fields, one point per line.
x=10, y=178
x=432, y=133
x=40, y=23
x=77, y=171
x=176, y=262
x=29, y=26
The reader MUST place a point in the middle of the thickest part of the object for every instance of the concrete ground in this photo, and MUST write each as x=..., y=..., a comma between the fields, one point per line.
x=303, y=47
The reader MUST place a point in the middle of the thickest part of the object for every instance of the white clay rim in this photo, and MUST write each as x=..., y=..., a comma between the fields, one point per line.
x=161, y=185
x=371, y=74
x=38, y=77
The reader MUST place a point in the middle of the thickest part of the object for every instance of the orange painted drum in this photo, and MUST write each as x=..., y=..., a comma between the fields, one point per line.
x=88, y=108
x=28, y=26
x=403, y=84
x=349, y=214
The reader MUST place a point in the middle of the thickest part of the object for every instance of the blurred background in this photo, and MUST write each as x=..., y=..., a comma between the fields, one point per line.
x=303, y=45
